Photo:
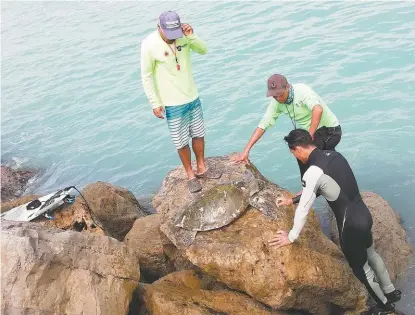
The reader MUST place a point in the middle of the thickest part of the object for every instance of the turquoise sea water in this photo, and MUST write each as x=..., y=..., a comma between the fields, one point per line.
x=72, y=102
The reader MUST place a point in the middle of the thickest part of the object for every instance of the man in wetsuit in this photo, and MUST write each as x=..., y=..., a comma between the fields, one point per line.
x=329, y=174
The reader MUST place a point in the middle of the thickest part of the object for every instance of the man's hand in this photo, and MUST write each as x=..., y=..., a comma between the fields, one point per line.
x=241, y=158
x=187, y=29
x=158, y=112
x=283, y=201
x=244, y=156
x=280, y=240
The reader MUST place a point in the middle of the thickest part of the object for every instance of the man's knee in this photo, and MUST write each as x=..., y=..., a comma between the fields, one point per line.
x=354, y=251
x=371, y=253
x=358, y=271
x=363, y=272
x=183, y=147
x=375, y=260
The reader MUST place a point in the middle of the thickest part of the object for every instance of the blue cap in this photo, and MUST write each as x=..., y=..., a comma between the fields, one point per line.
x=169, y=22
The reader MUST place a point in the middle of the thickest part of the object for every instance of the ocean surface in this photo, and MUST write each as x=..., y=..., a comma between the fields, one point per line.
x=72, y=103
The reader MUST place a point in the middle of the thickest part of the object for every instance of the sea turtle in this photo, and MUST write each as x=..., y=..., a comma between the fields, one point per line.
x=218, y=207
x=222, y=204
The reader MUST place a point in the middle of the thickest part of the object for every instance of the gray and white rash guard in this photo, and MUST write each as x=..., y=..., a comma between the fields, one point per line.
x=329, y=175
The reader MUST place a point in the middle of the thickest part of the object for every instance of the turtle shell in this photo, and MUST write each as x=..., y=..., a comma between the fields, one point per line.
x=216, y=208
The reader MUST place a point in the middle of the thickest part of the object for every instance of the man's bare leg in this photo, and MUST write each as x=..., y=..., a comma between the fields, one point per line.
x=185, y=157
x=198, y=145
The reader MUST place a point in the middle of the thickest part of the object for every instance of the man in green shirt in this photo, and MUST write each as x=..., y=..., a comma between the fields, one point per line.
x=305, y=108
x=166, y=74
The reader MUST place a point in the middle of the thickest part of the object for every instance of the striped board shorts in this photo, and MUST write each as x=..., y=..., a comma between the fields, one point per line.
x=185, y=122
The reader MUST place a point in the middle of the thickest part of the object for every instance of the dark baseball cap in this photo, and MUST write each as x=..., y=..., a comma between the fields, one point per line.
x=169, y=22
x=277, y=84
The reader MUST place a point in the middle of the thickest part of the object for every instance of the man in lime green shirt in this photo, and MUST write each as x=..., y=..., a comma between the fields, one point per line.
x=167, y=78
x=305, y=108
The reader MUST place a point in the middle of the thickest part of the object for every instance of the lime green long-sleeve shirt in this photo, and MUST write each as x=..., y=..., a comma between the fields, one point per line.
x=163, y=83
x=301, y=109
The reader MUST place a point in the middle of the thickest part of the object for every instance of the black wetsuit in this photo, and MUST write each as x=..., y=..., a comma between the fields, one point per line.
x=329, y=174
x=325, y=139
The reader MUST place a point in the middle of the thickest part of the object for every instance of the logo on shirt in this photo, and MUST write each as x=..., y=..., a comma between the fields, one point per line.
x=166, y=53
x=328, y=153
x=179, y=48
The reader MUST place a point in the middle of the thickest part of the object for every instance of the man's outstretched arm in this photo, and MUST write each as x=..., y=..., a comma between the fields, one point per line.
x=310, y=184
x=268, y=120
x=244, y=156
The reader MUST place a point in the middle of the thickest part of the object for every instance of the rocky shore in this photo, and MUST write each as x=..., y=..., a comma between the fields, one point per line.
x=115, y=258
x=13, y=182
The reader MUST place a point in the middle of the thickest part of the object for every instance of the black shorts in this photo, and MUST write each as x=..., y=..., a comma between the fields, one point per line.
x=327, y=138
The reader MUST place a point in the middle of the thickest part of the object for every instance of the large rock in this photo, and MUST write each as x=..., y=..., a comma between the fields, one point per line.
x=13, y=182
x=144, y=239
x=389, y=237
x=185, y=293
x=75, y=217
x=113, y=208
x=108, y=210
x=51, y=271
x=309, y=275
